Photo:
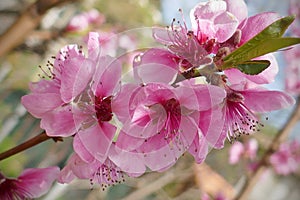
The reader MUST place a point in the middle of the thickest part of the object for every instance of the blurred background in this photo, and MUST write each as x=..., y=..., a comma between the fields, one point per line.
x=68, y=22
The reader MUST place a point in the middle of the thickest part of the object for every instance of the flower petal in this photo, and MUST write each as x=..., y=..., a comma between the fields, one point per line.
x=37, y=182
x=238, y=9
x=60, y=122
x=260, y=100
x=97, y=140
x=75, y=77
x=255, y=24
x=40, y=104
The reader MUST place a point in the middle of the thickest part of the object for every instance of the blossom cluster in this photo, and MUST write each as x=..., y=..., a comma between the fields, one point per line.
x=179, y=99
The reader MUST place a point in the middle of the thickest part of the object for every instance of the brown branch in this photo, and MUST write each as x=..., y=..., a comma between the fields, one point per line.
x=212, y=183
x=28, y=144
x=263, y=164
x=27, y=22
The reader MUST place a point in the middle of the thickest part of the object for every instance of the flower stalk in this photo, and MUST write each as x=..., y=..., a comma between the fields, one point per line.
x=42, y=137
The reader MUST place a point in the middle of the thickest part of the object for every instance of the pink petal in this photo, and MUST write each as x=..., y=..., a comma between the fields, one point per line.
x=60, y=122
x=225, y=25
x=82, y=169
x=211, y=124
x=207, y=10
x=125, y=159
x=75, y=77
x=213, y=20
x=66, y=174
x=156, y=65
x=235, y=76
x=265, y=100
x=199, y=149
x=97, y=140
x=120, y=103
x=93, y=44
x=107, y=76
x=256, y=24
x=238, y=9
x=162, y=35
x=37, y=182
x=208, y=96
x=39, y=104
x=81, y=151
x=110, y=79
x=160, y=154
x=45, y=86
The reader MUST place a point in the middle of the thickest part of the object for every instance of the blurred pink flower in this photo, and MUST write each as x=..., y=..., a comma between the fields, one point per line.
x=287, y=159
x=219, y=196
x=294, y=9
x=32, y=183
x=247, y=150
x=83, y=21
x=292, y=80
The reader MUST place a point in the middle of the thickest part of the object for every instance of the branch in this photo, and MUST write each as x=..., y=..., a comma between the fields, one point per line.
x=27, y=22
x=28, y=144
x=263, y=164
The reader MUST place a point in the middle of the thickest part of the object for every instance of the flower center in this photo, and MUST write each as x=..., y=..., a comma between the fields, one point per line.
x=239, y=118
x=108, y=174
x=103, y=109
x=172, y=123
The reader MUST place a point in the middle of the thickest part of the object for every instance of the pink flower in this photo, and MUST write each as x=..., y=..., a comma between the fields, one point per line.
x=287, y=159
x=211, y=20
x=83, y=21
x=211, y=24
x=162, y=122
x=77, y=99
x=240, y=105
x=247, y=150
x=93, y=108
x=104, y=173
x=32, y=183
x=51, y=98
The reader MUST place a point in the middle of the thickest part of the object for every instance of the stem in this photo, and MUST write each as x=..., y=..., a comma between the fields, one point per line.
x=26, y=145
x=263, y=164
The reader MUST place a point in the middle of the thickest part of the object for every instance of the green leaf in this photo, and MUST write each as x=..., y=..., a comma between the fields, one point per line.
x=267, y=41
x=253, y=67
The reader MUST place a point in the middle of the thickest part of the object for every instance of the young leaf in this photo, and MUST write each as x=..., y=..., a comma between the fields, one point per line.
x=267, y=41
x=253, y=67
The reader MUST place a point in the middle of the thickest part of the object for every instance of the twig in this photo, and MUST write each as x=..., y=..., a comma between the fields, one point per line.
x=156, y=185
x=211, y=182
x=28, y=144
x=280, y=137
x=27, y=22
